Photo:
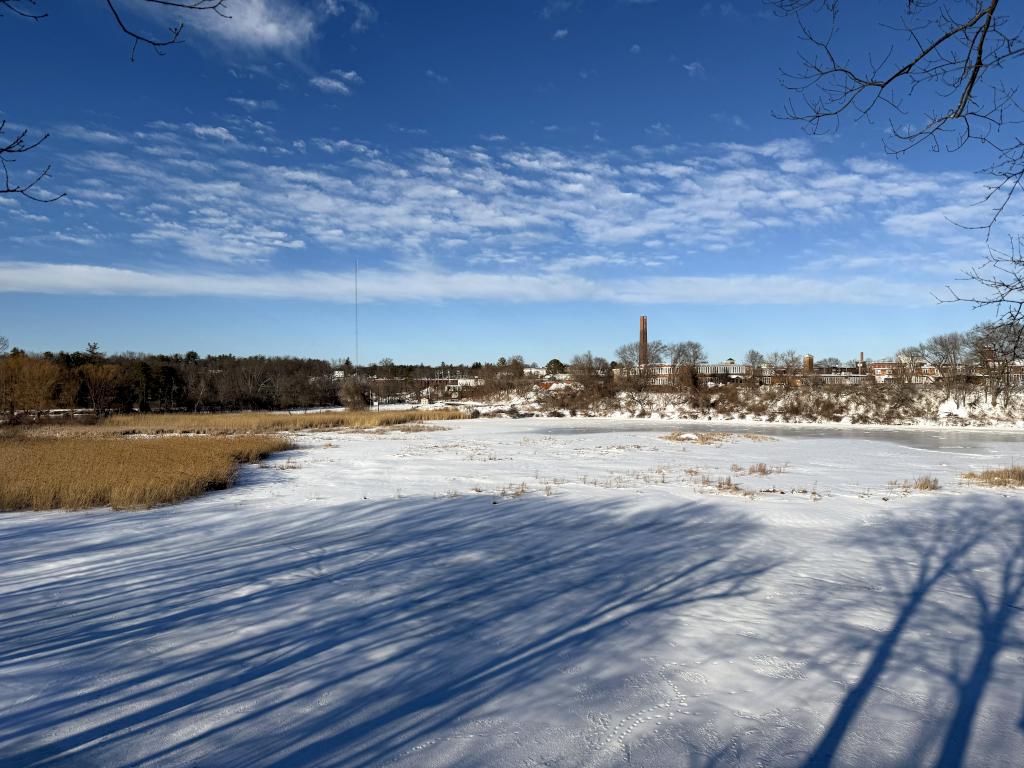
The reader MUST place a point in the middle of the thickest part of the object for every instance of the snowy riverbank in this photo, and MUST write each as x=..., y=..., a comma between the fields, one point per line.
x=559, y=591
x=856, y=406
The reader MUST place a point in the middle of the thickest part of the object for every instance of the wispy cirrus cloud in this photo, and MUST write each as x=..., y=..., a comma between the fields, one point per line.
x=695, y=69
x=92, y=136
x=339, y=81
x=654, y=215
x=271, y=25
x=431, y=285
x=218, y=132
x=253, y=105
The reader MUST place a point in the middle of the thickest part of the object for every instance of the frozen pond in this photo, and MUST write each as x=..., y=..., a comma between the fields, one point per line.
x=533, y=592
x=955, y=440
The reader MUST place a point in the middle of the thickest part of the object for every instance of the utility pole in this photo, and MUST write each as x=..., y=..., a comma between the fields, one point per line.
x=357, y=313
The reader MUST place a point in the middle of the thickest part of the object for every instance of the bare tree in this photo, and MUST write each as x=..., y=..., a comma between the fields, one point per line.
x=629, y=354
x=689, y=353
x=101, y=381
x=35, y=383
x=941, y=72
x=996, y=346
x=15, y=145
x=592, y=382
x=949, y=353
x=1002, y=279
x=906, y=369
x=685, y=356
x=756, y=361
x=785, y=367
x=938, y=73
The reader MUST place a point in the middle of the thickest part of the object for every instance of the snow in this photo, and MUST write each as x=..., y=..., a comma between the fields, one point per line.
x=922, y=407
x=558, y=592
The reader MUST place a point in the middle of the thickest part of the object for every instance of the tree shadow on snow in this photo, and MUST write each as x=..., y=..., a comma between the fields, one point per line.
x=347, y=635
x=951, y=576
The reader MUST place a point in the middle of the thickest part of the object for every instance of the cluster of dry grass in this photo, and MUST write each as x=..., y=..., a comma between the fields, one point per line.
x=759, y=469
x=922, y=483
x=1000, y=477
x=77, y=472
x=716, y=438
x=416, y=427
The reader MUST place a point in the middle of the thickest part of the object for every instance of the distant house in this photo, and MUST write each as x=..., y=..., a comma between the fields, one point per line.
x=919, y=371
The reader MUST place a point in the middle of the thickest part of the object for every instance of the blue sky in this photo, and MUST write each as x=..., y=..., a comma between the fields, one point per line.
x=513, y=178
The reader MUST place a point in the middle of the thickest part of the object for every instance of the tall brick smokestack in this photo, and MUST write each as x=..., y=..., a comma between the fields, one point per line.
x=642, y=356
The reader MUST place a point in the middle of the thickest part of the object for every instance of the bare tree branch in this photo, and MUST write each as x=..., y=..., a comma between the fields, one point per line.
x=9, y=150
x=12, y=148
x=941, y=81
x=949, y=53
x=23, y=8
x=1001, y=277
x=174, y=33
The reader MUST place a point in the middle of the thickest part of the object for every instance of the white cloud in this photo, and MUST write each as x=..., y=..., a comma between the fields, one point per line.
x=330, y=85
x=430, y=284
x=560, y=34
x=213, y=132
x=343, y=145
x=95, y=137
x=253, y=104
x=259, y=24
x=634, y=48
x=281, y=25
x=694, y=69
x=69, y=237
x=500, y=205
x=363, y=13
x=349, y=75
x=554, y=7
x=436, y=77
x=729, y=119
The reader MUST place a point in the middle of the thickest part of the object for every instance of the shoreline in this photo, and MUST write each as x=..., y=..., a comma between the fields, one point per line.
x=1007, y=427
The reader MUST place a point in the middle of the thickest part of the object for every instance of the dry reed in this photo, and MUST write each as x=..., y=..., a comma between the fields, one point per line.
x=234, y=423
x=248, y=422
x=1000, y=477
x=78, y=472
x=922, y=483
x=75, y=466
x=715, y=438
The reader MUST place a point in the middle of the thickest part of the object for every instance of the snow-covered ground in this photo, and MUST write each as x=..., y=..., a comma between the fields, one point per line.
x=881, y=405
x=532, y=592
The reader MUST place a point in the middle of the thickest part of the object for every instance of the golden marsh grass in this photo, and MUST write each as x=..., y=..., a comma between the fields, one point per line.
x=715, y=438
x=76, y=472
x=240, y=423
x=921, y=483
x=1000, y=477
x=235, y=423
x=75, y=466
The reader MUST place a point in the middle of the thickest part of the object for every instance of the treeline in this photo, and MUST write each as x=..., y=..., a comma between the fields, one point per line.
x=985, y=360
x=388, y=381
x=101, y=383
x=986, y=357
